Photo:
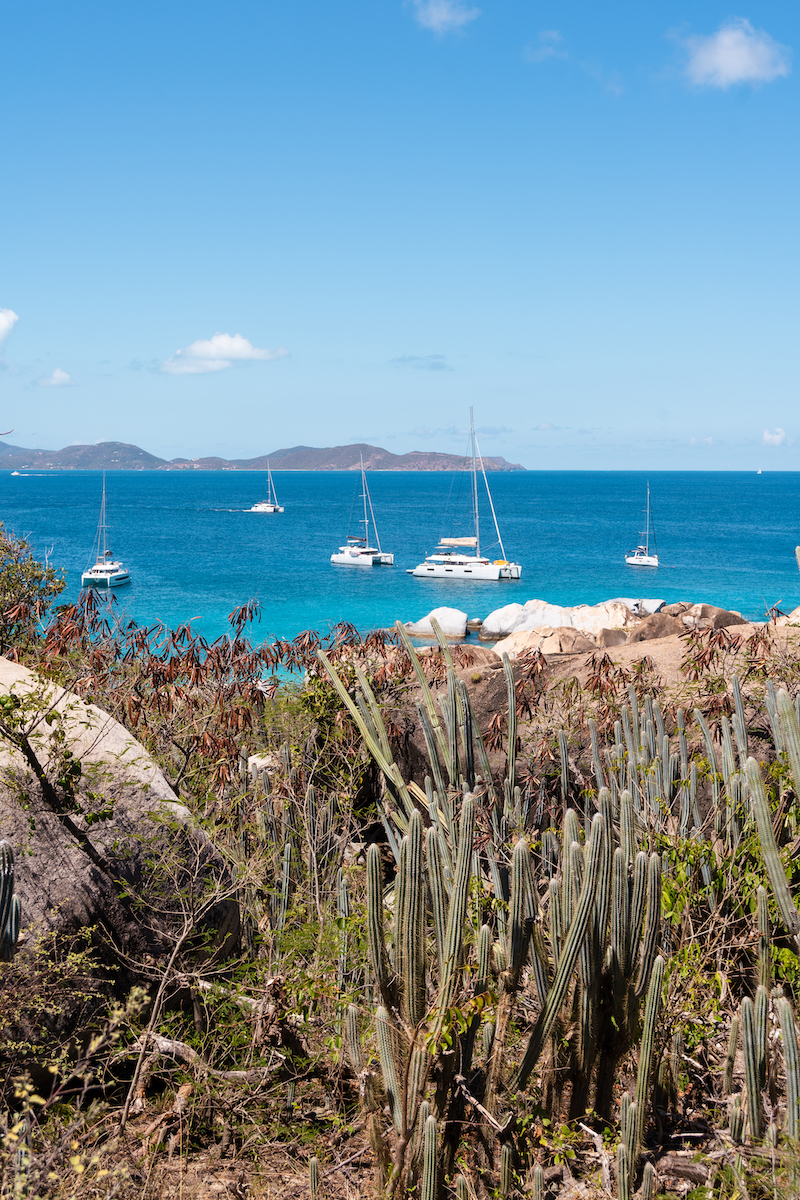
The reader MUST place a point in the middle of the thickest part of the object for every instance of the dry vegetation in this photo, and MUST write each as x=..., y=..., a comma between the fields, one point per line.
x=503, y=931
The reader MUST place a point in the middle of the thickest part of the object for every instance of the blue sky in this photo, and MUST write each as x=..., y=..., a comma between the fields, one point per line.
x=230, y=228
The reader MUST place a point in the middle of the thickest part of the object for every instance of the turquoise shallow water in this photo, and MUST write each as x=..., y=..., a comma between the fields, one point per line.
x=726, y=538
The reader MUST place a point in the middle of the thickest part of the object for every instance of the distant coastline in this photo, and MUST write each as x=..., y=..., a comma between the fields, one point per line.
x=121, y=456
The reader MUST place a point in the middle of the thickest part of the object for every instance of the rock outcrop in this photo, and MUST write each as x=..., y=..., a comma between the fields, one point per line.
x=564, y=640
x=535, y=614
x=124, y=871
x=452, y=622
x=658, y=625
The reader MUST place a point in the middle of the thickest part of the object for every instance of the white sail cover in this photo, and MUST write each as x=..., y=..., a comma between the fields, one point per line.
x=466, y=541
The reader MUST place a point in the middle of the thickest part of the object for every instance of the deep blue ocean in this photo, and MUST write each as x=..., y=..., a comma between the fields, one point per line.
x=726, y=538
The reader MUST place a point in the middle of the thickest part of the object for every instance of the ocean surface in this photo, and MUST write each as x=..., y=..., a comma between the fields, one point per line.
x=195, y=553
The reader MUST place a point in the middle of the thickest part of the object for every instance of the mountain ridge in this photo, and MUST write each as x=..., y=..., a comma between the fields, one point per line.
x=124, y=456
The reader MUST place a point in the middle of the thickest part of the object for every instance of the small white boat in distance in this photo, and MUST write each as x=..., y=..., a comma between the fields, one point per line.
x=451, y=558
x=107, y=571
x=641, y=556
x=358, y=552
x=270, y=505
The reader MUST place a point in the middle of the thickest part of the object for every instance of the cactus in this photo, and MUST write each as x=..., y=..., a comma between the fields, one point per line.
x=10, y=907
x=730, y=1058
x=537, y=1191
x=648, y=1188
x=506, y=1169
x=430, y=1164
x=764, y=938
x=752, y=1064
x=790, y=735
x=313, y=1177
x=651, y=1012
x=623, y=1173
x=792, y=1064
x=462, y=1191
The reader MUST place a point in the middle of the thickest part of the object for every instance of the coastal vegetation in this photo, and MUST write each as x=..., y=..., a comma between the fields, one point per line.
x=503, y=928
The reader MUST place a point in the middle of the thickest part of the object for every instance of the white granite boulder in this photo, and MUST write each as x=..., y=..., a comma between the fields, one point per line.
x=452, y=622
x=589, y=619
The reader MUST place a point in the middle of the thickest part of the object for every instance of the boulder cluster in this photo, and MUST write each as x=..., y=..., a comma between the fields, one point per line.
x=555, y=629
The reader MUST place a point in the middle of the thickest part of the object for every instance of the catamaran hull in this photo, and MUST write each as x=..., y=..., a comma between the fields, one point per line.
x=641, y=560
x=362, y=560
x=104, y=581
x=481, y=571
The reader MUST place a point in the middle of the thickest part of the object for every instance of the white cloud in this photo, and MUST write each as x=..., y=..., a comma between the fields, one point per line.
x=550, y=46
x=774, y=439
x=444, y=16
x=56, y=378
x=736, y=53
x=422, y=362
x=216, y=354
x=8, y=320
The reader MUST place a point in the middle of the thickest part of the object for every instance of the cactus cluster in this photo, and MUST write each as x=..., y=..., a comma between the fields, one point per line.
x=472, y=932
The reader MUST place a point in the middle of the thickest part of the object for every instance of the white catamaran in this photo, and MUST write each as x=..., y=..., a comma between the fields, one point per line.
x=270, y=505
x=452, y=558
x=107, y=572
x=641, y=556
x=358, y=552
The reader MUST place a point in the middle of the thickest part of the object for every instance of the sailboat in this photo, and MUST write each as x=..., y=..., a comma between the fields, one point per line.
x=452, y=558
x=641, y=556
x=107, y=572
x=269, y=505
x=358, y=552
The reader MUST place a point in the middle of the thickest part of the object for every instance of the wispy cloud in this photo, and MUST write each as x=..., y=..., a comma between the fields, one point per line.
x=56, y=378
x=774, y=439
x=444, y=16
x=550, y=43
x=545, y=426
x=736, y=53
x=8, y=320
x=422, y=362
x=216, y=353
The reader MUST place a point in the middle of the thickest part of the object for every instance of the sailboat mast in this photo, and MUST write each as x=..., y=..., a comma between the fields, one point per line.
x=475, y=512
x=103, y=520
x=647, y=523
x=491, y=501
x=365, y=519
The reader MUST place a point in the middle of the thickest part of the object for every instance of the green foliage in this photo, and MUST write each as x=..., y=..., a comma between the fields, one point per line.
x=27, y=589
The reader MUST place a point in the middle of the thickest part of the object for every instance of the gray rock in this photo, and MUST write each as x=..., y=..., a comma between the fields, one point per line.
x=124, y=873
x=659, y=625
x=708, y=616
x=612, y=637
x=675, y=610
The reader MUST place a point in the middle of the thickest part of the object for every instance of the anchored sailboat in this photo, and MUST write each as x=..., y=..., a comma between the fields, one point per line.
x=641, y=556
x=451, y=559
x=270, y=505
x=107, y=572
x=358, y=552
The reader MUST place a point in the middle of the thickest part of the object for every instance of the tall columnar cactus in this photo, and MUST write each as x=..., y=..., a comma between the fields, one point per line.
x=754, y=1041
x=791, y=1059
x=790, y=735
x=10, y=907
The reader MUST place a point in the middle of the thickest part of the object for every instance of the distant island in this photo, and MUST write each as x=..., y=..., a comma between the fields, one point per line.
x=119, y=456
